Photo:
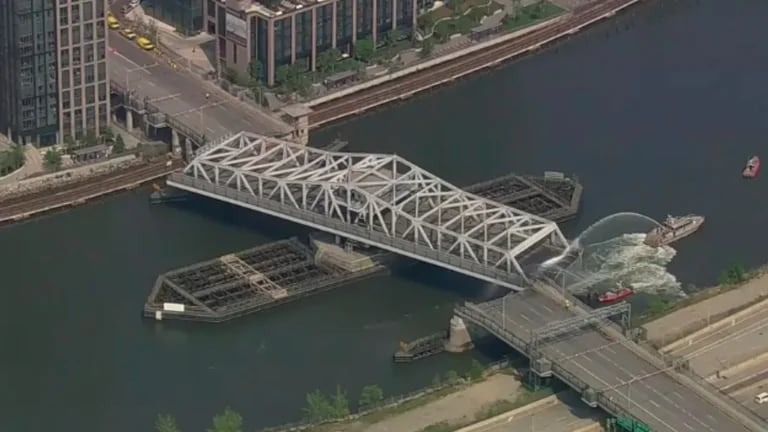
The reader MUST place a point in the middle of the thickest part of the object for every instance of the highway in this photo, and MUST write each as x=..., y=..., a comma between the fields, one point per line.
x=627, y=379
x=181, y=94
x=567, y=415
x=742, y=339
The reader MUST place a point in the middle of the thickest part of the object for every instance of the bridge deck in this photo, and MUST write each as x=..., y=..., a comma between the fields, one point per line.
x=626, y=379
x=381, y=200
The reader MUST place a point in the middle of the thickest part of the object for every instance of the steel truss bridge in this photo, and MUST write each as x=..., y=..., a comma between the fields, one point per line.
x=381, y=200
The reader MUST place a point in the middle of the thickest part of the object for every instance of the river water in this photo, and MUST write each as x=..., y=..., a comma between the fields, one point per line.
x=655, y=111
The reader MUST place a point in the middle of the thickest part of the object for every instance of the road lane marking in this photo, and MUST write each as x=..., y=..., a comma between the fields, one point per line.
x=654, y=403
x=688, y=426
x=140, y=67
x=522, y=315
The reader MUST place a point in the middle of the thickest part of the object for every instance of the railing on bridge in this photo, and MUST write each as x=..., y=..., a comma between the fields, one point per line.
x=474, y=314
x=383, y=200
x=155, y=116
x=359, y=233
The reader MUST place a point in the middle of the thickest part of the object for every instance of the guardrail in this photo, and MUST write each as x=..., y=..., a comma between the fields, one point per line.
x=156, y=115
x=342, y=228
x=474, y=314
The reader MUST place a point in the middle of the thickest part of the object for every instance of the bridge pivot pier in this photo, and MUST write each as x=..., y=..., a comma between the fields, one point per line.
x=459, y=339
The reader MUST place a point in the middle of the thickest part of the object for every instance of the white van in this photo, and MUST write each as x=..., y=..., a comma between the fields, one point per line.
x=761, y=398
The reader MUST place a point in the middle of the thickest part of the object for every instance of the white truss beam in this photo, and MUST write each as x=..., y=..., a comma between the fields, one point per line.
x=383, y=194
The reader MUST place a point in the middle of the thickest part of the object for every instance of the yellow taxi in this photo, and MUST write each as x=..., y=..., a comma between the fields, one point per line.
x=128, y=34
x=145, y=44
x=113, y=23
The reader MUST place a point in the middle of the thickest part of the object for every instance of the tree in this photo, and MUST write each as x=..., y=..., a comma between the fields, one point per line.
x=326, y=60
x=230, y=75
x=17, y=157
x=371, y=394
x=451, y=377
x=119, y=146
x=426, y=47
x=107, y=134
x=318, y=407
x=90, y=138
x=69, y=142
x=166, y=423
x=52, y=159
x=364, y=50
x=734, y=275
x=152, y=30
x=340, y=403
x=393, y=36
x=228, y=421
x=286, y=77
x=475, y=371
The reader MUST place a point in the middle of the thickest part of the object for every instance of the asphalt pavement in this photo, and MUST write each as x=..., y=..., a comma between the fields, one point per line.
x=567, y=415
x=747, y=397
x=181, y=94
x=626, y=378
x=728, y=346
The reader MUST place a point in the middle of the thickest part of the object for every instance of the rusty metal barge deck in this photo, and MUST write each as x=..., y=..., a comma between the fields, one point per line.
x=237, y=284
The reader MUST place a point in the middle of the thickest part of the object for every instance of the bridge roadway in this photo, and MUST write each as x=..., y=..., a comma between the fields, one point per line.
x=628, y=381
x=180, y=94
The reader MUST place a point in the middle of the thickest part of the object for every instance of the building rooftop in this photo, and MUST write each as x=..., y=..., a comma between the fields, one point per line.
x=275, y=8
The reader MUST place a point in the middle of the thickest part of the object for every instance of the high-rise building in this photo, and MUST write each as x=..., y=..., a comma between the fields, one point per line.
x=53, y=73
x=185, y=15
x=283, y=32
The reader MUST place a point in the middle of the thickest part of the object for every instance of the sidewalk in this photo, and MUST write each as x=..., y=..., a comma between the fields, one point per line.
x=189, y=49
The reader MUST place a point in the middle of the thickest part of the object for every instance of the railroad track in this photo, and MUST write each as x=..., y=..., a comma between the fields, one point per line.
x=25, y=206
x=418, y=81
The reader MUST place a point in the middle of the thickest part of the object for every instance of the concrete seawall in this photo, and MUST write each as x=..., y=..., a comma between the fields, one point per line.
x=435, y=63
x=80, y=194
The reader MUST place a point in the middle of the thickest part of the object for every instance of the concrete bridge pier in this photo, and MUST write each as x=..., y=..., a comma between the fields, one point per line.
x=175, y=142
x=128, y=120
x=459, y=339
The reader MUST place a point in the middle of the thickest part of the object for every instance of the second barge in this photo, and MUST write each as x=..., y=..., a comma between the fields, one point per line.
x=241, y=283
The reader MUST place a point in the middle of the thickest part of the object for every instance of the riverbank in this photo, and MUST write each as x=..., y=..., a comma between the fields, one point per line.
x=407, y=82
x=46, y=199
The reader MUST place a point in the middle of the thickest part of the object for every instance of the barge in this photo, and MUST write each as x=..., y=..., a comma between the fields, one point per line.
x=237, y=284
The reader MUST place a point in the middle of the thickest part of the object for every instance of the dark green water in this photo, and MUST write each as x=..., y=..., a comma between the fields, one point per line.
x=656, y=111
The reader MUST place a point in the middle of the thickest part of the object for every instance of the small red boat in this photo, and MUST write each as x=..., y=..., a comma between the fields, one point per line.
x=752, y=169
x=614, y=296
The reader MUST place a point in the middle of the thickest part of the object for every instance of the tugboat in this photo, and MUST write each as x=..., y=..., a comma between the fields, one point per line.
x=673, y=229
x=752, y=169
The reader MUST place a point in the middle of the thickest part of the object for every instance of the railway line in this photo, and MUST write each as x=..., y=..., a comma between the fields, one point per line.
x=406, y=86
x=22, y=207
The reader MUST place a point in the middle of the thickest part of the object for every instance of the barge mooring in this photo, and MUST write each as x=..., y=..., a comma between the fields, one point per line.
x=262, y=277
x=553, y=196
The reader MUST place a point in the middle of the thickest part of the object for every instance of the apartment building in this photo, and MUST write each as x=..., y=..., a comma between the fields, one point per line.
x=185, y=15
x=53, y=77
x=282, y=32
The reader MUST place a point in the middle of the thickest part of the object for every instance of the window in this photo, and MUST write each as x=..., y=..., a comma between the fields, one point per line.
x=65, y=100
x=102, y=71
x=75, y=35
x=88, y=11
x=64, y=16
x=90, y=94
x=65, y=83
x=89, y=74
x=103, y=94
x=211, y=7
x=76, y=58
x=64, y=37
x=89, y=53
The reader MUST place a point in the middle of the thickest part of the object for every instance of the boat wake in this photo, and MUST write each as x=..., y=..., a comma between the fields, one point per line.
x=624, y=260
